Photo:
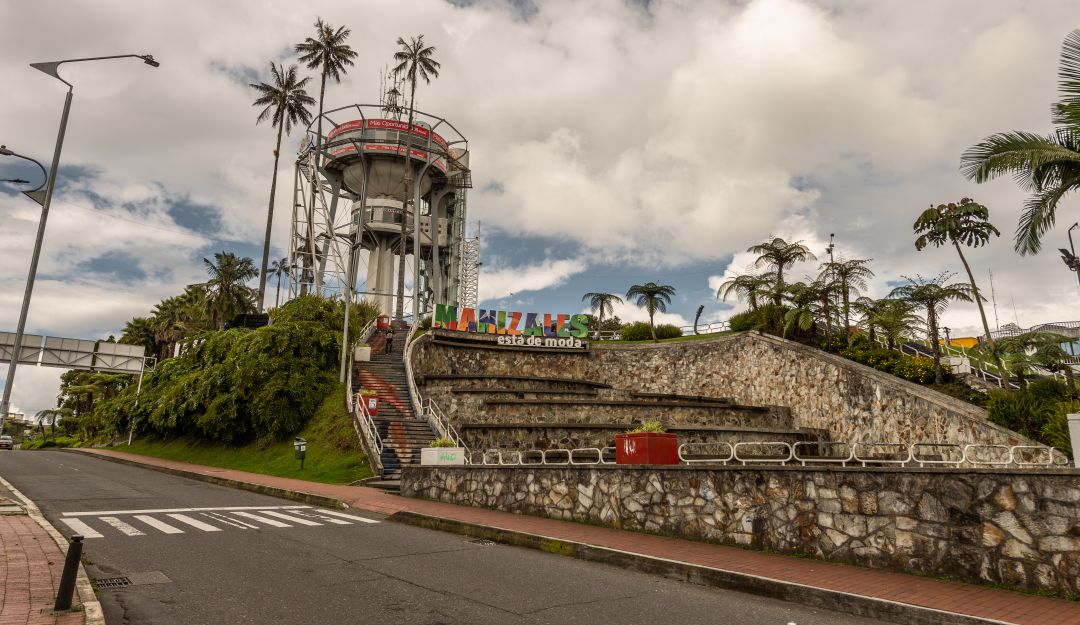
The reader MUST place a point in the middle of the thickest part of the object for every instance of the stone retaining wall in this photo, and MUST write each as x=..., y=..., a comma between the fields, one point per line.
x=562, y=436
x=850, y=401
x=1017, y=528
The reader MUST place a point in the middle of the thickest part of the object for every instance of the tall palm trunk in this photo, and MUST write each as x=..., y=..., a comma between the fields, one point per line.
x=982, y=315
x=935, y=349
x=309, y=272
x=407, y=183
x=652, y=327
x=269, y=220
x=277, y=292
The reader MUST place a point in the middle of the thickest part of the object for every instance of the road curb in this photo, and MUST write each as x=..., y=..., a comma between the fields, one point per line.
x=858, y=605
x=91, y=606
x=273, y=491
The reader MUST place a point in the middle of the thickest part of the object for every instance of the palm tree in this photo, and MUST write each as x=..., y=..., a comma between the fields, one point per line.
x=967, y=223
x=413, y=60
x=601, y=304
x=227, y=295
x=780, y=255
x=285, y=103
x=654, y=297
x=1041, y=349
x=805, y=299
x=850, y=277
x=1048, y=166
x=139, y=331
x=895, y=318
x=277, y=269
x=933, y=295
x=327, y=53
x=751, y=287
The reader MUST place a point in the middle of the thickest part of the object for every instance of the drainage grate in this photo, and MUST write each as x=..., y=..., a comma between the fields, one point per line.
x=110, y=583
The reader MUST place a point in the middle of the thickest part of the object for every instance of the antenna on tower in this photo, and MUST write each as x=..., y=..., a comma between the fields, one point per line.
x=470, y=270
x=993, y=298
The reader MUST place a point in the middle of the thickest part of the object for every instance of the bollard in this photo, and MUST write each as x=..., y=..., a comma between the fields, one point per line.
x=1074, y=435
x=67, y=580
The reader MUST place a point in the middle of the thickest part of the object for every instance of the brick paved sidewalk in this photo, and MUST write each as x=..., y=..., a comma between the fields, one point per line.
x=30, y=568
x=957, y=598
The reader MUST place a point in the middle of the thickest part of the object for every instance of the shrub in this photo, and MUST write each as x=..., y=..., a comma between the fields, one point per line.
x=442, y=442
x=652, y=427
x=639, y=331
x=58, y=441
x=768, y=318
x=1037, y=412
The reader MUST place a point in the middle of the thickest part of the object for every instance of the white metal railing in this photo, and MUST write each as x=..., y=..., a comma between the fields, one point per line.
x=713, y=327
x=365, y=334
x=368, y=431
x=803, y=453
x=950, y=350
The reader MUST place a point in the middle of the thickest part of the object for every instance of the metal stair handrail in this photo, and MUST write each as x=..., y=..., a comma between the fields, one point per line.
x=365, y=334
x=368, y=432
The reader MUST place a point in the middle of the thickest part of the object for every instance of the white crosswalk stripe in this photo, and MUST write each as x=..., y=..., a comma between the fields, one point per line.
x=82, y=528
x=158, y=525
x=123, y=527
x=196, y=523
x=173, y=521
x=261, y=519
x=289, y=517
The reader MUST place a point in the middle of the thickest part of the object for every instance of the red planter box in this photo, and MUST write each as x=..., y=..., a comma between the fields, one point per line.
x=646, y=448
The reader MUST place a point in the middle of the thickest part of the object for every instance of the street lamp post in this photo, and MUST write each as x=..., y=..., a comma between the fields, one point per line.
x=51, y=68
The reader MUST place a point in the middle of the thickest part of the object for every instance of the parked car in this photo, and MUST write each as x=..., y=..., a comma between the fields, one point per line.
x=6, y=442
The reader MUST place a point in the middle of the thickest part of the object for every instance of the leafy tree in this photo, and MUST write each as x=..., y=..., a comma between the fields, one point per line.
x=226, y=293
x=654, y=297
x=750, y=287
x=967, y=223
x=285, y=103
x=780, y=255
x=849, y=277
x=805, y=299
x=934, y=296
x=414, y=60
x=601, y=304
x=1047, y=166
x=50, y=417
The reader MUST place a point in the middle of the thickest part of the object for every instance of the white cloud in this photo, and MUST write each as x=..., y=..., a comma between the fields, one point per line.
x=508, y=281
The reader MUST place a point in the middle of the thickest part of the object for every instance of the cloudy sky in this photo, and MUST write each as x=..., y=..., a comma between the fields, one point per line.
x=613, y=142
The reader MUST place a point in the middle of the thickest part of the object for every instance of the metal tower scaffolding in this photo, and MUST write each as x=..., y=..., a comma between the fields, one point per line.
x=470, y=271
x=348, y=210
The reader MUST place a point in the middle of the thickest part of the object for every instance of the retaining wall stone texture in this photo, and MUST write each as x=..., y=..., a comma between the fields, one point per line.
x=850, y=401
x=1016, y=528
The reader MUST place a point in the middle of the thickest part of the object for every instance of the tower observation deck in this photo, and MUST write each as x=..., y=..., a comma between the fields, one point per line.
x=346, y=235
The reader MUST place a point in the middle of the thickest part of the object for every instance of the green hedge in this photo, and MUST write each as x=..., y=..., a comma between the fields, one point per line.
x=1038, y=412
x=911, y=368
x=639, y=331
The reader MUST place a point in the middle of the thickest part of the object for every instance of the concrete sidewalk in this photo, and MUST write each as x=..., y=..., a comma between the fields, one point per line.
x=31, y=563
x=867, y=592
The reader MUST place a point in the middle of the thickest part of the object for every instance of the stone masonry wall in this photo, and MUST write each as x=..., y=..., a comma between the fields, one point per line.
x=850, y=401
x=1017, y=528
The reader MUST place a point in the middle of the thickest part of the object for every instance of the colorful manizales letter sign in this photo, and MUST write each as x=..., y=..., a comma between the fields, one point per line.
x=514, y=328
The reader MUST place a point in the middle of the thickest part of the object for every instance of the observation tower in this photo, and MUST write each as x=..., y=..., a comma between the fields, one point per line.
x=348, y=208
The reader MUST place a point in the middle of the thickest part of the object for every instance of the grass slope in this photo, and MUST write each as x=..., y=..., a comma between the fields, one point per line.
x=334, y=455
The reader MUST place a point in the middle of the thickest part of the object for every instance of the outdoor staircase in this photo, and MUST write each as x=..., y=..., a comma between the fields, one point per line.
x=403, y=434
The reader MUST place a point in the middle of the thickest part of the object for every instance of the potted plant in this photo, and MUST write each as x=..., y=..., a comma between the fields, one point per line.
x=442, y=451
x=647, y=444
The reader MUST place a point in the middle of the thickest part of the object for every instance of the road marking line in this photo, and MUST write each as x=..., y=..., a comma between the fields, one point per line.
x=229, y=520
x=120, y=525
x=262, y=519
x=348, y=516
x=167, y=510
x=313, y=515
x=159, y=525
x=82, y=528
x=197, y=524
x=290, y=518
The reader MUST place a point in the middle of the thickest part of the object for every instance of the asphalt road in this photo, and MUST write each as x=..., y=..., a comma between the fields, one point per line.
x=193, y=563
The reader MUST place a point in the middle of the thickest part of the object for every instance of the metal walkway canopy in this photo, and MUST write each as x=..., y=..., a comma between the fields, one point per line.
x=55, y=351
